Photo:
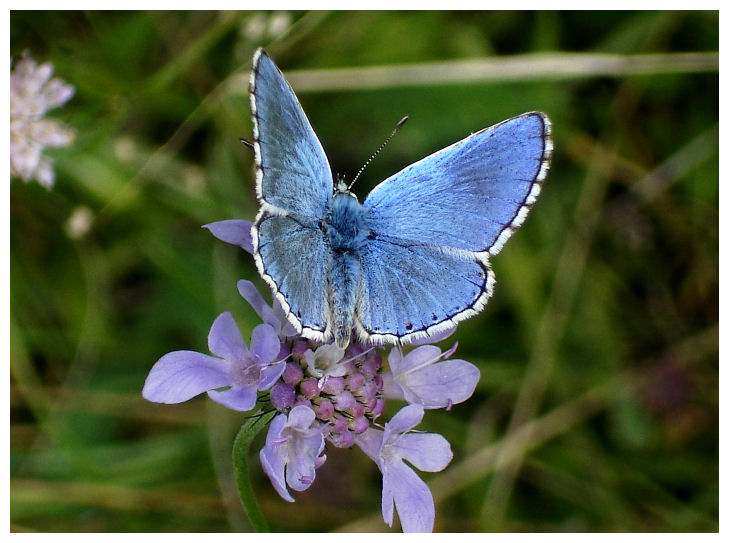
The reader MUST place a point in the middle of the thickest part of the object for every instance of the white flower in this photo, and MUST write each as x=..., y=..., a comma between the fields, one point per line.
x=260, y=26
x=32, y=94
x=326, y=361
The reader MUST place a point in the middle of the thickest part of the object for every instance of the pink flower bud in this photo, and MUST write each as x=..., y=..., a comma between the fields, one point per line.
x=309, y=388
x=293, y=373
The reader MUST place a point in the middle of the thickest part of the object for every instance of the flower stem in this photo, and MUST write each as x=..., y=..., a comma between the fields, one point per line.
x=242, y=443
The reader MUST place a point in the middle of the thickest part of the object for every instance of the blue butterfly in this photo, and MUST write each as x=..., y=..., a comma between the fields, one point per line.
x=413, y=259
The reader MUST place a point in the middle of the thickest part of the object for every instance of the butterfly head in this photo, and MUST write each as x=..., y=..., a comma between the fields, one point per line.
x=342, y=188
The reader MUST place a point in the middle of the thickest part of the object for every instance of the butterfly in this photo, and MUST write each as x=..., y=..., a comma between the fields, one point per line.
x=413, y=259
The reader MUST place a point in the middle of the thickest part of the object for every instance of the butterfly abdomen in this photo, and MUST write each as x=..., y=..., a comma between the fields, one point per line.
x=345, y=276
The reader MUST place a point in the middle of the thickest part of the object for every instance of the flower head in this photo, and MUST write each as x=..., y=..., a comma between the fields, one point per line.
x=32, y=94
x=181, y=375
x=401, y=487
x=293, y=450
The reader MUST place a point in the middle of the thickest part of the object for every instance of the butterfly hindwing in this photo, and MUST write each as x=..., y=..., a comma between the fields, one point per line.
x=296, y=257
x=413, y=290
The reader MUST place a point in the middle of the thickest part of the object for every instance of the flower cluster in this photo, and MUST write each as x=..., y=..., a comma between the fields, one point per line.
x=32, y=94
x=323, y=394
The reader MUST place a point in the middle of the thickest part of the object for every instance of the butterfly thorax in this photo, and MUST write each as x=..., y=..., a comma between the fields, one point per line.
x=346, y=231
x=345, y=224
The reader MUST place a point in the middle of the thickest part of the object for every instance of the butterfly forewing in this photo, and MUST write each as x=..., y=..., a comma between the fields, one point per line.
x=292, y=170
x=468, y=195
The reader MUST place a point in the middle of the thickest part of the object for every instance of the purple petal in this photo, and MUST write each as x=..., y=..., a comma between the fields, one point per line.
x=181, y=375
x=441, y=384
x=270, y=374
x=407, y=418
x=237, y=398
x=371, y=442
x=234, y=231
x=412, y=498
x=301, y=469
x=273, y=458
x=421, y=356
x=265, y=343
x=301, y=417
x=427, y=452
x=225, y=340
x=394, y=359
x=250, y=293
x=391, y=388
x=450, y=351
x=388, y=500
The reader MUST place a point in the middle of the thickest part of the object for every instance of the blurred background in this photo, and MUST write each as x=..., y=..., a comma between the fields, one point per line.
x=597, y=408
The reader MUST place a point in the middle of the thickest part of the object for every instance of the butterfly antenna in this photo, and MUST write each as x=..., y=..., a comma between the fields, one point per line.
x=247, y=143
x=398, y=126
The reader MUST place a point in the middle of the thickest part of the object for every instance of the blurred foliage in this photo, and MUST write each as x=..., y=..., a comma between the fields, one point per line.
x=597, y=408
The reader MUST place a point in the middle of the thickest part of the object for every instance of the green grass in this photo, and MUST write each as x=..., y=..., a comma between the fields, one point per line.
x=597, y=408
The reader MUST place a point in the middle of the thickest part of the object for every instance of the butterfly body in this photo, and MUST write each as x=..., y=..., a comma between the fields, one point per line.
x=346, y=235
x=412, y=259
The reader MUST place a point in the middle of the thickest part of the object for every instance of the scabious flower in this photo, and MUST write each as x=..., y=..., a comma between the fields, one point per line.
x=181, y=375
x=401, y=487
x=32, y=94
x=324, y=395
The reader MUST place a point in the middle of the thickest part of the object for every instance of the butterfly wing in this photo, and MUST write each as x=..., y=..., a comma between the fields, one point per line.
x=436, y=223
x=413, y=290
x=293, y=258
x=292, y=171
x=294, y=186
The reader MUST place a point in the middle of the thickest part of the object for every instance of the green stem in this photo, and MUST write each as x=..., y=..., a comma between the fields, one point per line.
x=242, y=474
